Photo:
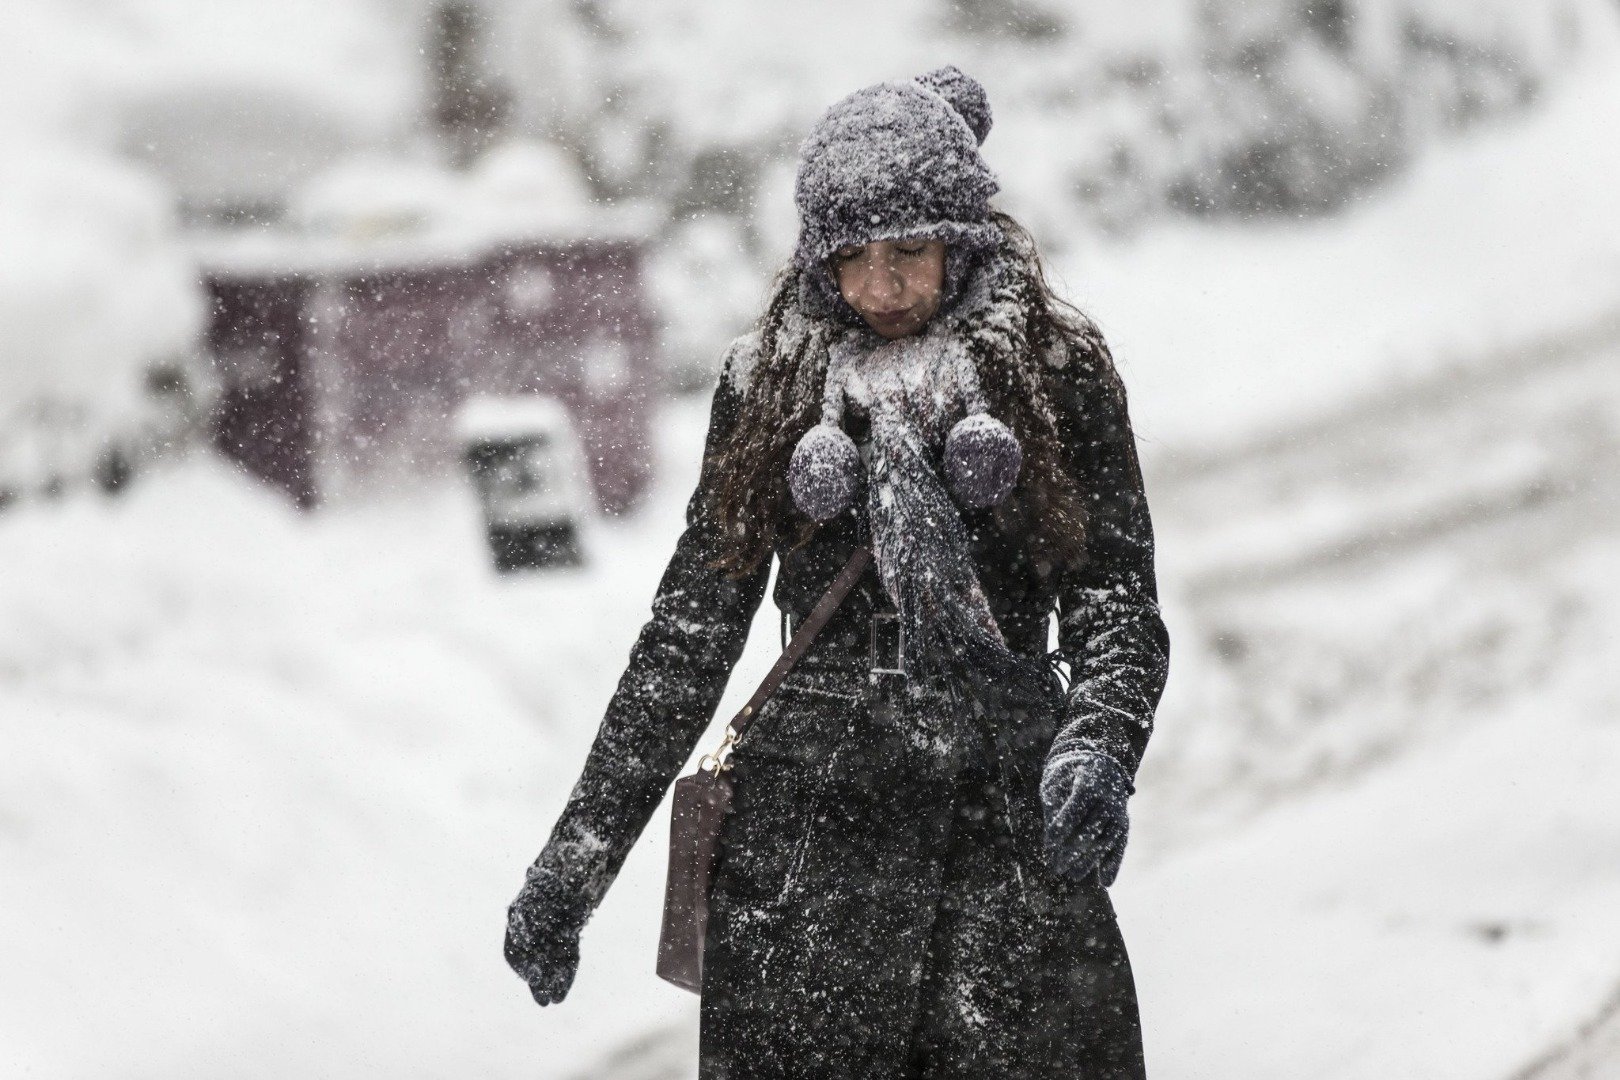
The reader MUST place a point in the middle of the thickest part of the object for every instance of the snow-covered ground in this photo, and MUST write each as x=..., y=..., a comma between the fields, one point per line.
x=269, y=780
x=1451, y=915
x=1372, y=833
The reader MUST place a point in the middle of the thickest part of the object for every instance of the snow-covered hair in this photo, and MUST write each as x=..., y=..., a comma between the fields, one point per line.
x=1023, y=339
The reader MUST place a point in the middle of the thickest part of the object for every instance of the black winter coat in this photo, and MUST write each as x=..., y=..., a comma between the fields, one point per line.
x=882, y=908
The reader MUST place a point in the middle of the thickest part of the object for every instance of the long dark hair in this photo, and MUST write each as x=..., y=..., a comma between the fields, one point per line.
x=783, y=400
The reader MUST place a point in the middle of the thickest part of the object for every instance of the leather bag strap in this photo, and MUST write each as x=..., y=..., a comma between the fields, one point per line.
x=803, y=638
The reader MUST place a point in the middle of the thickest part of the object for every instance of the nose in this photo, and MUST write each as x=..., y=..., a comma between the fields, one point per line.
x=884, y=283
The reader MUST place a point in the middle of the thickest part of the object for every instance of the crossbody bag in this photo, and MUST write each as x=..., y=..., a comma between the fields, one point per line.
x=702, y=800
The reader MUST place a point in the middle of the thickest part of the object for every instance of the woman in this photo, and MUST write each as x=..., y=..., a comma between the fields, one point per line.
x=913, y=881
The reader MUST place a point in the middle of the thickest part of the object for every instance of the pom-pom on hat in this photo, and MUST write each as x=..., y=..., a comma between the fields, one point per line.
x=897, y=159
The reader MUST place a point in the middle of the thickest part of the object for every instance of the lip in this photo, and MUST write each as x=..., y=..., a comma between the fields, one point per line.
x=891, y=316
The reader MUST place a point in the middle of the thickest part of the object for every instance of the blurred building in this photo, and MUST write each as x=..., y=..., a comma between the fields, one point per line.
x=342, y=366
x=374, y=247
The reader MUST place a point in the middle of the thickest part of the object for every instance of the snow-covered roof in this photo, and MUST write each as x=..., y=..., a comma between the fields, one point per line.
x=376, y=212
x=276, y=251
x=499, y=417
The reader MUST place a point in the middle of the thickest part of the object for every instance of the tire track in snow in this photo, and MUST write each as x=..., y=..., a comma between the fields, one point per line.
x=1521, y=435
x=1593, y=1054
x=1350, y=586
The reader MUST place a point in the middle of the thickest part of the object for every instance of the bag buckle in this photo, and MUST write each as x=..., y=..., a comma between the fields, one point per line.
x=718, y=760
x=887, y=649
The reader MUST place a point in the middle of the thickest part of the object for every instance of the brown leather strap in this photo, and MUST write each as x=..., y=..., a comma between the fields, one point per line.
x=804, y=636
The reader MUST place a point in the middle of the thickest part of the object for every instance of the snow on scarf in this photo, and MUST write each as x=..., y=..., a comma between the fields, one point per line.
x=928, y=426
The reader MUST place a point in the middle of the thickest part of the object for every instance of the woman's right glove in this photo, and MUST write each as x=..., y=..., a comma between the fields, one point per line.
x=542, y=935
x=1083, y=792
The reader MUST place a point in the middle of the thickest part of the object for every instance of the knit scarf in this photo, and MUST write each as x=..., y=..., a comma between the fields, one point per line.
x=930, y=437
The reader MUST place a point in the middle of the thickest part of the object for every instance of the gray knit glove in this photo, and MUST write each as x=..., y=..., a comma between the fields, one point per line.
x=1083, y=792
x=542, y=935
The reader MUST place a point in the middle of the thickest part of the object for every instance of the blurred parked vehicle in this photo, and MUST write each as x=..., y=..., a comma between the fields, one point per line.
x=52, y=445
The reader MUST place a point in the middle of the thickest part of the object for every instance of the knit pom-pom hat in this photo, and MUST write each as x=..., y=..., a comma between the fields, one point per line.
x=893, y=160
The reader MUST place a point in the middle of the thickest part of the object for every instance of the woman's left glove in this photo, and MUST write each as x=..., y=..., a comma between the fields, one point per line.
x=542, y=935
x=1083, y=793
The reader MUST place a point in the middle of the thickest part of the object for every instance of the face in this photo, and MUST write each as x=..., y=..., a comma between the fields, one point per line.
x=895, y=285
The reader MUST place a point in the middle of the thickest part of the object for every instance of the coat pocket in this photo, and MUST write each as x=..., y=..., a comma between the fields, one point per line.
x=777, y=808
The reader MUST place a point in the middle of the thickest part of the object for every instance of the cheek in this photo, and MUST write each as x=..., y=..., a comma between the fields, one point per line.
x=926, y=283
x=848, y=280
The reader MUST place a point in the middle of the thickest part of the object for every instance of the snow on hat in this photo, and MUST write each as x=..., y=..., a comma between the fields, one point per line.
x=897, y=159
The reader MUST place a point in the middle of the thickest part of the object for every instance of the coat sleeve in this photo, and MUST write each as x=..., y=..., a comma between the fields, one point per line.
x=1110, y=631
x=678, y=669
